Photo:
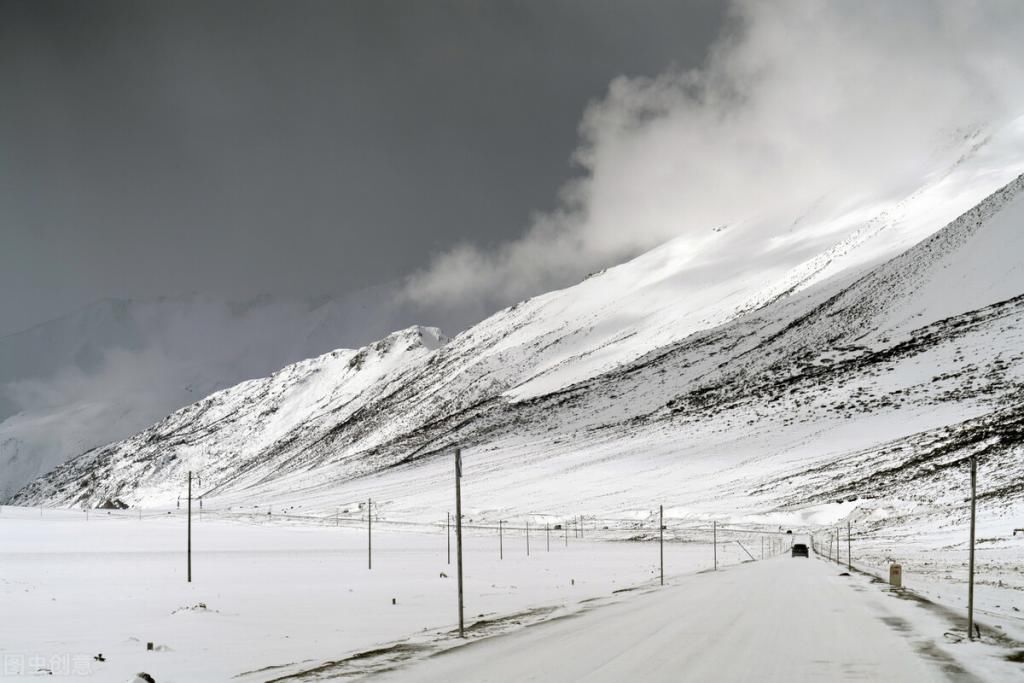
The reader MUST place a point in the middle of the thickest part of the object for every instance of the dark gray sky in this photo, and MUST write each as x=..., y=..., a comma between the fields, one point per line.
x=293, y=148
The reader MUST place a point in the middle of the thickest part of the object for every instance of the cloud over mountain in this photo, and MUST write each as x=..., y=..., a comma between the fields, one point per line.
x=797, y=103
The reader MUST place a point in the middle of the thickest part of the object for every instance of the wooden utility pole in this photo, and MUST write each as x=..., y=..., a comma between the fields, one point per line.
x=849, y=551
x=714, y=541
x=458, y=533
x=189, y=526
x=661, y=541
x=369, y=533
x=970, y=580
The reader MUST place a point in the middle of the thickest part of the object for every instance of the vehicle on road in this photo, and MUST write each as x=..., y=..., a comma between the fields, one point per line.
x=800, y=550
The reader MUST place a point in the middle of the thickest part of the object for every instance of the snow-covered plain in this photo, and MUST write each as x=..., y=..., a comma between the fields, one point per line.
x=282, y=594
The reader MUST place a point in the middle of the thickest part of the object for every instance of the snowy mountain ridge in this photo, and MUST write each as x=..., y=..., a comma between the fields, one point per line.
x=106, y=371
x=605, y=376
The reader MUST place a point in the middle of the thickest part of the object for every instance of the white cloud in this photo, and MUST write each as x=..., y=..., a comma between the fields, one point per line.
x=799, y=104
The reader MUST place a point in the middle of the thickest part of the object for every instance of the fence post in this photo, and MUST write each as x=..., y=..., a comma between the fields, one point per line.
x=458, y=533
x=970, y=581
x=369, y=533
x=527, y=538
x=501, y=548
x=448, y=528
x=565, y=526
x=547, y=534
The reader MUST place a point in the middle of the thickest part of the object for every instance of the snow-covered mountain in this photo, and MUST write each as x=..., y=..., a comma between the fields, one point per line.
x=860, y=370
x=113, y=368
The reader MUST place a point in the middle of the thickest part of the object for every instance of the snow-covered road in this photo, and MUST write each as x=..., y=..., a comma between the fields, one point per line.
x=785, y=619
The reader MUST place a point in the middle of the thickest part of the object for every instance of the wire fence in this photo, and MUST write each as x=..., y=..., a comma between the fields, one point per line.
x=861, y=545
x=545, y=530
x=867, y=545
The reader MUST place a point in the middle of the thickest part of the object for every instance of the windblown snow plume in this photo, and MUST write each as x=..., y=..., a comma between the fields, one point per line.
x=800, y=104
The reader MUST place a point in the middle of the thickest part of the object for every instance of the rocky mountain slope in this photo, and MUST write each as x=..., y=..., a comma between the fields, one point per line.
x=865, y=372
x=113, y=368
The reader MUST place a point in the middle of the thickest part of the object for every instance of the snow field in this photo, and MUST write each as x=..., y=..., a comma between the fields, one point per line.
x=276, y=594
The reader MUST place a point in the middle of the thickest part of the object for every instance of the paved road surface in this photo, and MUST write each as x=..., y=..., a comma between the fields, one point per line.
x=786, y=619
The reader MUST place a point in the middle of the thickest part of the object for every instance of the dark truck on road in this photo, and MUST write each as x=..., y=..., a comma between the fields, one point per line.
x=800, y=550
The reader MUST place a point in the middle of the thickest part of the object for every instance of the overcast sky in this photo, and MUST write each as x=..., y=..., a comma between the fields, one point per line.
x=293, y=148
